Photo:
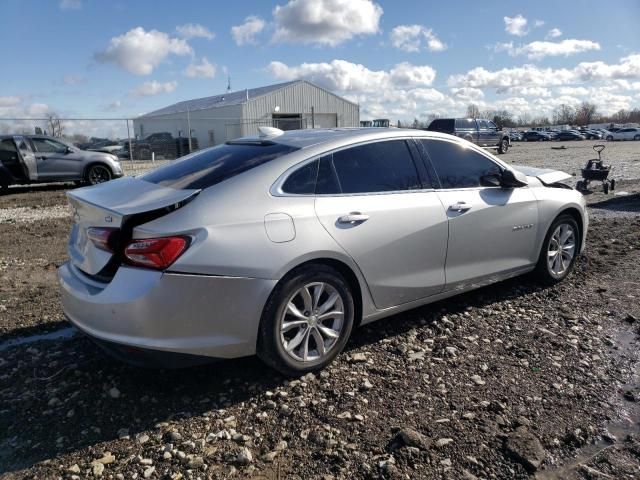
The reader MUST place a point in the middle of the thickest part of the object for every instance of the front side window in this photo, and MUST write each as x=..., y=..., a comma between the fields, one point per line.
x=458, y=166
x=46, y=145
x=214, y=165
x=376, y=167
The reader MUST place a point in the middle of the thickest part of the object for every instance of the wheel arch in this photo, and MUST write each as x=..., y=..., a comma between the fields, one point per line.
x=341, y=267
x=578, y=217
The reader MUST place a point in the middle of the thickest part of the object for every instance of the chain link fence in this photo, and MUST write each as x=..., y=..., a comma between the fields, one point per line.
x=144, y=143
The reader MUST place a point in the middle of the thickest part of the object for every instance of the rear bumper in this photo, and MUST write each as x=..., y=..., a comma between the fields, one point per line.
x=167, y=312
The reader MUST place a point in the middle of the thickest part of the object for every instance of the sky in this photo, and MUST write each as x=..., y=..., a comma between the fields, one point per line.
x=397, y=59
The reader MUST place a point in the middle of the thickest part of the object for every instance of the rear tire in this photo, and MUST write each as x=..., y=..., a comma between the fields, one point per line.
x=292, y=319
x=559, y=250
x=610, y=138
x=636, y=137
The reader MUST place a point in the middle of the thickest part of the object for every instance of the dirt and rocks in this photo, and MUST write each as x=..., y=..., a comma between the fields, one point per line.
x=510, y=381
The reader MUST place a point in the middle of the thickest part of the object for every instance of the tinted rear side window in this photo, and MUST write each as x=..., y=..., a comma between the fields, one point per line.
x=303, y=180
x=214, y=165
x=376, y=167
x=443, y=125
x=465, y=124
x=458, y=166
x=327, y=183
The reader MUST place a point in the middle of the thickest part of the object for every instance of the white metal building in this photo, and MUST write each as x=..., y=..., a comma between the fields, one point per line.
x=214, y=120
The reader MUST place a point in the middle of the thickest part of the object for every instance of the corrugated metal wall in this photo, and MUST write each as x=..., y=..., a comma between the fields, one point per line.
x=299, y=98
x=217, y=125
x=206, y=125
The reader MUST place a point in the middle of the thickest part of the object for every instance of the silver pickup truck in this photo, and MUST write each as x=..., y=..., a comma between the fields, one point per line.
x=26, y=159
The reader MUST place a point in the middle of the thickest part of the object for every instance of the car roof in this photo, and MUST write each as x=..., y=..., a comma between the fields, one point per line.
x=319, y=136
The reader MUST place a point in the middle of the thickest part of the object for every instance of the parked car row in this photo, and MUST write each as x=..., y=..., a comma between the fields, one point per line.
x=582, y=133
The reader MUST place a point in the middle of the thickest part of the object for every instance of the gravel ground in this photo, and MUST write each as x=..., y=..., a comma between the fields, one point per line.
x=508, y=381
x=571, y=156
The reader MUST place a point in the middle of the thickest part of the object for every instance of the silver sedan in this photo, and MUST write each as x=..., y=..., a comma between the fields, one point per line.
x=281, y=244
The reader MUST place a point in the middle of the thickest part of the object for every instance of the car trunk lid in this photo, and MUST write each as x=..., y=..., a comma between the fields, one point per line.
x=116, y=205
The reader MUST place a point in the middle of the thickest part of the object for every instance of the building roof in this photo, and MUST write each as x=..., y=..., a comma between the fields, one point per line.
x=222, y=100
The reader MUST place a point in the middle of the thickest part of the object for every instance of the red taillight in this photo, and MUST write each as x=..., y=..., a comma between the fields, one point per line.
x=102, y=237
x=156, y=253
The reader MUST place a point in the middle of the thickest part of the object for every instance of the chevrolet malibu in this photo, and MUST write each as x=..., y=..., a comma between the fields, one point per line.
x=281, y=244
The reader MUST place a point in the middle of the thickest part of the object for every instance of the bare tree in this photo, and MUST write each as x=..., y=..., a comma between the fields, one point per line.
x=564, y=114
x=55, y=126
x=585, y=113
x=524, y=119
x=473, y=111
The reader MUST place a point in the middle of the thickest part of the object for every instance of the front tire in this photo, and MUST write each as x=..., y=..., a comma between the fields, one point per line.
x=504, y=146
x=559, y=250
x=610, y=138
x=307, y=321
x=98, y=174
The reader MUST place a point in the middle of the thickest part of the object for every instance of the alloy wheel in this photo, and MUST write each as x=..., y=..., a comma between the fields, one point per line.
x=98, y=174
x=561, y=250
x=312, y=322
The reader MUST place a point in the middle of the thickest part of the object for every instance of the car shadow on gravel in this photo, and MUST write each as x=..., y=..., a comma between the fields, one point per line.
x=64, y=396
x=48, y=187
x=619, y=203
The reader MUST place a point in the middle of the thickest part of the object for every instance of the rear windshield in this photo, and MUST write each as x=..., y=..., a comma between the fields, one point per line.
x=214, y=165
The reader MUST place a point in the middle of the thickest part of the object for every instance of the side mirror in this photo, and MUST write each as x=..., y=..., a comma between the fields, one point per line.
x=491, y=180
x=513, y=179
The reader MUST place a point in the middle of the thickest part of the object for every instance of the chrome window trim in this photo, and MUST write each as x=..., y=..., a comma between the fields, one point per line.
x=276, y=188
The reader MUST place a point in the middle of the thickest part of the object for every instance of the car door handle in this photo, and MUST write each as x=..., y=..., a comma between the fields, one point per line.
x=353, y=218
x=460, y=207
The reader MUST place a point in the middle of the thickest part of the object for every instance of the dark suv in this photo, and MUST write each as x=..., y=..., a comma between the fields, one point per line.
x=484, y=133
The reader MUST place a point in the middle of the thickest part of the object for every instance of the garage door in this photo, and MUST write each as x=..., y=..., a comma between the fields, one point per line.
x=326, y=120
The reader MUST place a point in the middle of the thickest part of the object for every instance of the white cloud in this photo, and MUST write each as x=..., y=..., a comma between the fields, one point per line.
x=325, y=22
x=538, y=49
x=467, y=94
x=140, y=52
x=154, y=88
x=526, y=91
x=194, y=30
x=407, y=74
x=354, y=77
x=554, y=33
x=70, y=4
x=580, y=91
x=204, y=69
x=526, y=75
x=538, y=23
x=9, y=101
x=412, y=38
x=516, y=25
x=245, y=34
x=629, y=67
x=115, y=105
